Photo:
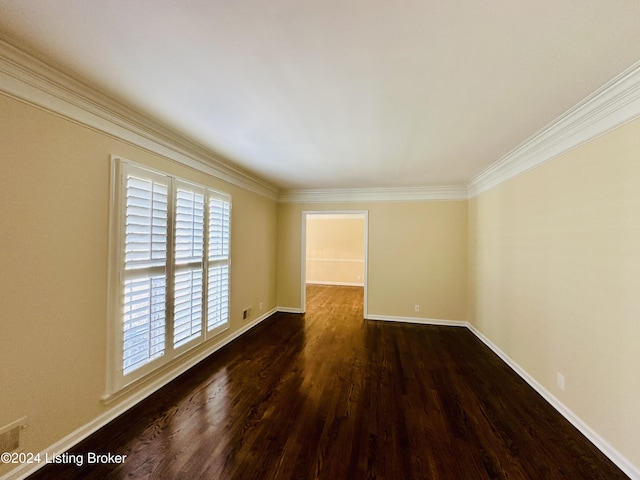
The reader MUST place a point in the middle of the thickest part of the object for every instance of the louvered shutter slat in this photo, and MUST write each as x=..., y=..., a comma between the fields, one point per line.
x=189, y=225
x=189, y=248
x=145, y=244
x=218, y=271
x=187, y=318
x=143, y=321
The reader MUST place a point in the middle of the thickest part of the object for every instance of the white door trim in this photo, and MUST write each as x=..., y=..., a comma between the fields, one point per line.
x=303, y=252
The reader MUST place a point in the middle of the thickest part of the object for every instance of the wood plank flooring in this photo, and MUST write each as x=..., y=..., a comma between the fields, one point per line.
x=327, y=395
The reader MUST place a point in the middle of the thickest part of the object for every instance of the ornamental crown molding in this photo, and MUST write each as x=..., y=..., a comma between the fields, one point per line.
x=614, y=104
x=405, y=194
x=26, y=78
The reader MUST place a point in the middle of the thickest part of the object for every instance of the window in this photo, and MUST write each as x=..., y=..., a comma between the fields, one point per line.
x=170, y=288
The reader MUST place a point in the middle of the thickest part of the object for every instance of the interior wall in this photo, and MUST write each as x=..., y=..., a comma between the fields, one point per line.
x=555, y=279
x=54, y=259
x=335, y=250
x=417, y=256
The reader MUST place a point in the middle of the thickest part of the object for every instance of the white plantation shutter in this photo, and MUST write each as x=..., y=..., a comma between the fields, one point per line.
x=218, y=297
x=189, y=248
x=187, y=316
x=219, y=212
x=172, y=279
x=146, y=221
x=218, y=262
x=144, y=321
x=145, y=279
x=189, y=225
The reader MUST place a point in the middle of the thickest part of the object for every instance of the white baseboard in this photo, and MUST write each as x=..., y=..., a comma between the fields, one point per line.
x=289, y=310
x=421, y=321
x=616, y=457
x=75, y=437
x=340, y=284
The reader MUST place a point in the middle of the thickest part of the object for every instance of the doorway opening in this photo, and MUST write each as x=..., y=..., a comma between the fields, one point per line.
x=335, y=250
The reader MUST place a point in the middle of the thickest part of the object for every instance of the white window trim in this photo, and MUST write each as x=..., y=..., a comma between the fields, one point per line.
x=116, y=381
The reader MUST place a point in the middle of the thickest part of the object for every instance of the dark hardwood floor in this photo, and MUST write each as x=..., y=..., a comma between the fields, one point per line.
x=328, y=395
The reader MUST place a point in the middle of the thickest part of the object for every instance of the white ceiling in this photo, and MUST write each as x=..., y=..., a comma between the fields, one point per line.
x=340, y=93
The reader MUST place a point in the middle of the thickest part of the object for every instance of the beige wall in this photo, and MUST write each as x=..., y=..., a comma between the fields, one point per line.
x=417, y=256
x=54, y=203
x=555, y=279
x=335, y=249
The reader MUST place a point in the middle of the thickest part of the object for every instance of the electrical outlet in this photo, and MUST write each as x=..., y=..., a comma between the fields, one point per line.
x=560, y=380
x=416, y=308
x=246, y=313
x=260, y=306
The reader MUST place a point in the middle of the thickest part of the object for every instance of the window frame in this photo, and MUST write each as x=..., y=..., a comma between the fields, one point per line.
x=117, y=380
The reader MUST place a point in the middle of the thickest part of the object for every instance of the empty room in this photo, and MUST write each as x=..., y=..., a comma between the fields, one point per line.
x=328, y=240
